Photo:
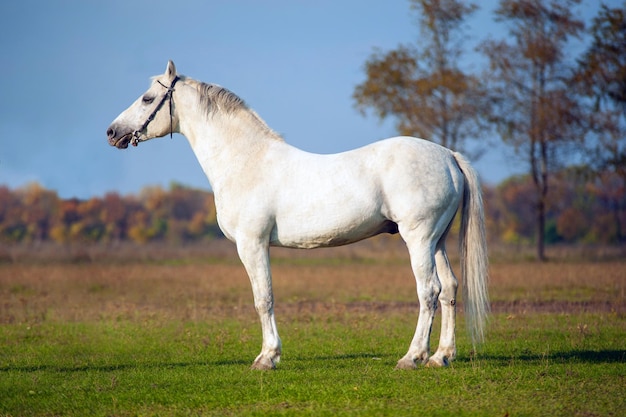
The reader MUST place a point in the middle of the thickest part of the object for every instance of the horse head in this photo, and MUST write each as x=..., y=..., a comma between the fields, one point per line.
x=146, y=118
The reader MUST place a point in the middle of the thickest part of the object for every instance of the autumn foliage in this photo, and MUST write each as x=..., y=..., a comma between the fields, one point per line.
x=35, y=214
x=581, y=209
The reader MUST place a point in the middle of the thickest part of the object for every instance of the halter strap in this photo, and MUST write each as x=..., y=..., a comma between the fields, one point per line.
x=166, y=96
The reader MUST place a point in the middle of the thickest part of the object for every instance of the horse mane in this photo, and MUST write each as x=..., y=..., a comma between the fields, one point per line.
x=215, y=99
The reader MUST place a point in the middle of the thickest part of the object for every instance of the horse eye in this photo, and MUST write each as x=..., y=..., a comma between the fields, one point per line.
x=147, y=99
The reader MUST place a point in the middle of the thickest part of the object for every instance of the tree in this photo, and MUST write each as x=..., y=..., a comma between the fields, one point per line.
x=114, y=215
x=422, y=87
x=41, y=205
x=91, y=226
x=515, y=196
x=601, y=77
x=535, y=110
x=12, y=227
x=68, y=214
x=609, y=217
x=602, y=69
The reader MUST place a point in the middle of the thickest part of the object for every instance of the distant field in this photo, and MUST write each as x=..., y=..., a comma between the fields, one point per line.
x=178, y=337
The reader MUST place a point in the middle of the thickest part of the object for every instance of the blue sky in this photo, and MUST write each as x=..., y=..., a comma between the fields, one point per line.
x=68, y=68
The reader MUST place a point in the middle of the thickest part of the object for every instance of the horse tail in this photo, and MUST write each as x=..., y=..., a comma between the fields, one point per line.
x=473, y=250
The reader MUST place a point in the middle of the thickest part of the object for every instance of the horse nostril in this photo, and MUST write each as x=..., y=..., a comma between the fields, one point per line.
x=110, y=132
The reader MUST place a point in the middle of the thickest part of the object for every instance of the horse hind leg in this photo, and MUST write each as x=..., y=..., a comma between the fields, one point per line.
x=428, y=290
x=446, y=350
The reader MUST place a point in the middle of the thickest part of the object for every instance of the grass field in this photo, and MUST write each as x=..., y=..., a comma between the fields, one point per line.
x=177, y=338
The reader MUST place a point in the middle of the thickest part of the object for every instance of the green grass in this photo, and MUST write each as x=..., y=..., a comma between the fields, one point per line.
x=144, y=339
x=334, y=364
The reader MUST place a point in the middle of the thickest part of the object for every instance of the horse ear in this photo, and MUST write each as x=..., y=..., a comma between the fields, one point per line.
x=170, y=71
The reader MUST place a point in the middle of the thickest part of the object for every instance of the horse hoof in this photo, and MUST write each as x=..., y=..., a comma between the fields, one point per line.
x=406, y=363
x=437, y=363
x=263, y=364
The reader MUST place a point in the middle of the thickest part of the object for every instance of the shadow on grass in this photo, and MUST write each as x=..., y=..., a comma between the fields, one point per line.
x=579, y=356
x=576, y=356
x=120, y=367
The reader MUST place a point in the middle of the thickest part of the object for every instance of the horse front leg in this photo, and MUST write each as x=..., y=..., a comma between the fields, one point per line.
x=255, y=258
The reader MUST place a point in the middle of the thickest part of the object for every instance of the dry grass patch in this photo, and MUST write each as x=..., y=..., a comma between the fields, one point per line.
x=200, y=291
x=559, y=287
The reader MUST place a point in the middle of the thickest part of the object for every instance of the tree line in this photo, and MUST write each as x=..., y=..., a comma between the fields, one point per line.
x=582, y=208
x=35, y=214
x=554, y=105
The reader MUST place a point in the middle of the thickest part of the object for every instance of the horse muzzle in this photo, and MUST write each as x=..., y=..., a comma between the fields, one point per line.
x=122, y=140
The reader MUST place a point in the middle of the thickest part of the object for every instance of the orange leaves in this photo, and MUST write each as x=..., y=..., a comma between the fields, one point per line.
x=34, y=214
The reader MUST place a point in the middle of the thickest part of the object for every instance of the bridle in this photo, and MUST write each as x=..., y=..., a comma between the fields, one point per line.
x=167, y=96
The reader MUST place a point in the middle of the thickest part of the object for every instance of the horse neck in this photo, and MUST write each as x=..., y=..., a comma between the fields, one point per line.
x=226, y=144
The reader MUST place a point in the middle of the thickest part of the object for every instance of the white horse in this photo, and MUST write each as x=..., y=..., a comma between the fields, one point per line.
x=268, y=193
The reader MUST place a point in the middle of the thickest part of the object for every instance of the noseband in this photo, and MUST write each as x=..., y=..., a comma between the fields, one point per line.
x=167, y=96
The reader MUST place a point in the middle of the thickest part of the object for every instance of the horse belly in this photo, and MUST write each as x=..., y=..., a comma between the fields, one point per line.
x=308, y=232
